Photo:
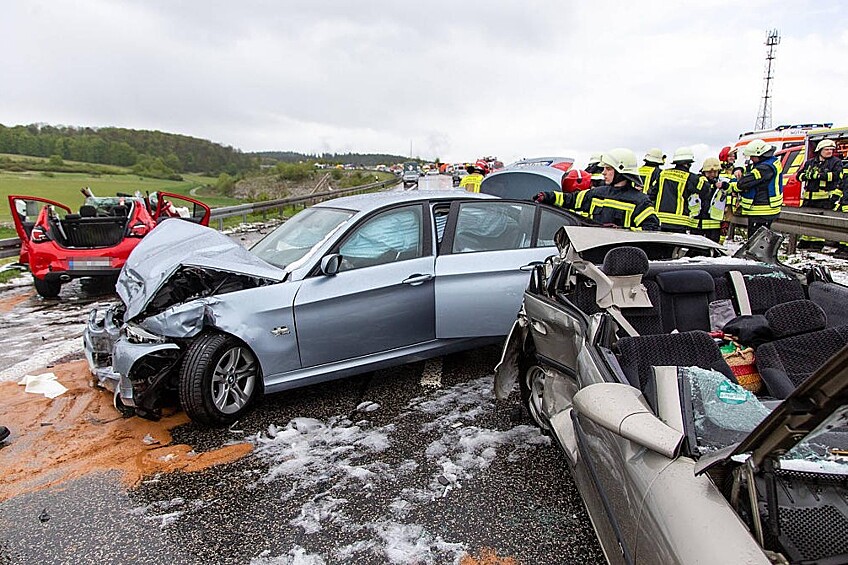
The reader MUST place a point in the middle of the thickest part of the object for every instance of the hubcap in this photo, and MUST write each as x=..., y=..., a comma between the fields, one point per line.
x=234, y=379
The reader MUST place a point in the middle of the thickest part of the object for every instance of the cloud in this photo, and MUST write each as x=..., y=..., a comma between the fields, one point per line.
x=453, y=80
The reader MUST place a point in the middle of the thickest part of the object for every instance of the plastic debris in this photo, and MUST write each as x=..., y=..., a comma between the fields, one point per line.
x=150, y=440
x=45, y=384
x=44, y=517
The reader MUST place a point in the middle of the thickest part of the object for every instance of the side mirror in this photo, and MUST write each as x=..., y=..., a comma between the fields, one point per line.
x=330, y=264
x=622, y=410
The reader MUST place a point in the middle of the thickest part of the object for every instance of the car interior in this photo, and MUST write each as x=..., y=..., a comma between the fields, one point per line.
x=805, y=321
x=101, y=222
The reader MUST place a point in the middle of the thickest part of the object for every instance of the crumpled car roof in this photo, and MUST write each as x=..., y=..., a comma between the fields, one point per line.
x=177, y=243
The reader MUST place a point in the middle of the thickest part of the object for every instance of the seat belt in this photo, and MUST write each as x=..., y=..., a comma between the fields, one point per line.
x=741, y=292
x=622, y=322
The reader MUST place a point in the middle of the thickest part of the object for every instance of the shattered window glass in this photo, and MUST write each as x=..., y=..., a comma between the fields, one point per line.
x=722, y=412
x=825, y=449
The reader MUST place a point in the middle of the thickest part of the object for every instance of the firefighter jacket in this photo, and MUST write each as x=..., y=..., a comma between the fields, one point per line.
x=471, y=182
x=821, y=178
x=708, y=206
x=650, y=175
x=842, y=204
x=671, y=197
x=761, y=189
x=625, y=206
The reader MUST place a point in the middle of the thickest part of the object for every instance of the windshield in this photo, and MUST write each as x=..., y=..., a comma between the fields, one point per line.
x=297, y=236
x=720, y=413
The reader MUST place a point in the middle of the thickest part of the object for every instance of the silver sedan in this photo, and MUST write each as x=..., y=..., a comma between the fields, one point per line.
x=344, y=287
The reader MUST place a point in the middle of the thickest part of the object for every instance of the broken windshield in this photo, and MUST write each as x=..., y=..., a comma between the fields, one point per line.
x=720, y=413
x=297, y=236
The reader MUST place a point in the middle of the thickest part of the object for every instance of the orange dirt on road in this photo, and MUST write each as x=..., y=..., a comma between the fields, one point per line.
x=79, y=432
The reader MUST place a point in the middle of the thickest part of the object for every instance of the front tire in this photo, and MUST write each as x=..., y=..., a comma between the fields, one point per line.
x=219, y=379
x=532, y=381
x=47, y=289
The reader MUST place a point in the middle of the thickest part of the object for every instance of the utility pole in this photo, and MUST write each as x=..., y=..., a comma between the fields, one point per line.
x=764, y=116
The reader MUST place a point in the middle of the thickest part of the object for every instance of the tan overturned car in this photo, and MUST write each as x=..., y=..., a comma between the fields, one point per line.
x=675, y=461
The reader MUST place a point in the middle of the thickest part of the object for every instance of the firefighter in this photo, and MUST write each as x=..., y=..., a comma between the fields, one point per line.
x=576, y=180
x=674, y=189
x=822, y=176
x=711, y=202
x=727, y=156
x=650, y=171
x=476, y=172
x=595, y=169
x=760, y=188
x=842, y=206
x=619, y=201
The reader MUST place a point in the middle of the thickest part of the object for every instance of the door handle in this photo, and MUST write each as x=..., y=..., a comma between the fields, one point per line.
x=530, y=266
x=416, y=279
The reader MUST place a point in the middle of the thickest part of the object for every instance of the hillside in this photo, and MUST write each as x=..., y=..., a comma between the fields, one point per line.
x=363, y=159
x=151, y=153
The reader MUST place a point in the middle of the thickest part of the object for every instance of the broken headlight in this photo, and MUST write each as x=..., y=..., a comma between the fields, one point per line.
x=138, y=335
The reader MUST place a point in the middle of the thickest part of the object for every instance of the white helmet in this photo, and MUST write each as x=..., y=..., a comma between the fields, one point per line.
x=758, y=148
x=594, y=159
x=655, y=155
x=683, y=155
x=623, y=161
x=824, y=144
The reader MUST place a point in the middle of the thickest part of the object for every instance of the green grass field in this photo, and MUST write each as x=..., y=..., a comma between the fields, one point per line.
x=65, y=188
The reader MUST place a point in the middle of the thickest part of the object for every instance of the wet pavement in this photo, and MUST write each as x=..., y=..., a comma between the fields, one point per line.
x=406, y=465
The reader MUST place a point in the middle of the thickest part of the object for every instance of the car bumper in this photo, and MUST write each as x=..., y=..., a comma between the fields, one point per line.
x=112, y=358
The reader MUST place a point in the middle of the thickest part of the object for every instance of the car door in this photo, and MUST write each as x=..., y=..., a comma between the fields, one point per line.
x=25, y=210
x=381, y=299
x=180, y=206
x=484, y=263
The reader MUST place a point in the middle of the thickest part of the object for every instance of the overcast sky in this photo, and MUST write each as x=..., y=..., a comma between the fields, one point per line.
x=454, y=80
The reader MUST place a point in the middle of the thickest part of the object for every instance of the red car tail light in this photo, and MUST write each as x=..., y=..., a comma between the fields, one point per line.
x=39, y=235
x=139, y=230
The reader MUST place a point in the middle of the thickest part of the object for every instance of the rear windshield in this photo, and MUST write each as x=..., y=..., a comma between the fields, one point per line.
x=518, y=185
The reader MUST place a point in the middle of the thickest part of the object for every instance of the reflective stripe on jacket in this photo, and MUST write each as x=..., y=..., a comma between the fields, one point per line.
x=671, y=196
x=650, y=175
x=713, y=203
x=624, y=206
x=471, y=183
x=761, y=189
x=829, y=173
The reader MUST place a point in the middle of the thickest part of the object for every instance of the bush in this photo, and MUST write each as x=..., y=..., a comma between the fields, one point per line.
x=293, y=171
x=225, y=184
x=55, y=161
x=48, y=174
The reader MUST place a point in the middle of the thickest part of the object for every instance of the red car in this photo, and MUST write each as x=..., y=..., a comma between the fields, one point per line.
x=60, y=245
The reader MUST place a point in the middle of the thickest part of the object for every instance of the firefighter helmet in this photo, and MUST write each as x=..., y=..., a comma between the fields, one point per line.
x=711, y=164
x=655, y=155
x=727, y=154
x=758, y=148
x=575, y=180
x=482, y=167
x=594, y=159
x=683, y=155
x=824, y=144
x=623, y=162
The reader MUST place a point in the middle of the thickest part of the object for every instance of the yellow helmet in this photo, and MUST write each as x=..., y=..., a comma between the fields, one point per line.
x=711, y=164
x=824, y=144
x=654, y=155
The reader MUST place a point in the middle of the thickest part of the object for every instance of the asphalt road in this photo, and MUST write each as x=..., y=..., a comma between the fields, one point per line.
x=416, y=464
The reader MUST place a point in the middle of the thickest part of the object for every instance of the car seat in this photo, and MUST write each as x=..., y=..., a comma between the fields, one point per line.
x=803, y=344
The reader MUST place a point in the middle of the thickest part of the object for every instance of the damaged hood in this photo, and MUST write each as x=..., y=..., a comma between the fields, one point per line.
x=174, y=244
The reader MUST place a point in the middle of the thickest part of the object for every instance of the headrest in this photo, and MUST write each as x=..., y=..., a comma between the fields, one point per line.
x=624, y=261
x=686, y=282
x=88, y=211
x=795, y=317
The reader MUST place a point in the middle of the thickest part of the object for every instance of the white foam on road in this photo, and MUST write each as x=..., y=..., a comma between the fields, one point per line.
x=331, y=455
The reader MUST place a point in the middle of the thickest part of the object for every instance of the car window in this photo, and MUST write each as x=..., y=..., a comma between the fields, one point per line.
x=440, y=218
x=299, y=235
x=394, y=235
x=549, y=223
x=492, y=226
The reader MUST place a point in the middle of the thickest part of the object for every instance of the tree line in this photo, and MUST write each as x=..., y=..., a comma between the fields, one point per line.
x=160, y=153
x=363, y=159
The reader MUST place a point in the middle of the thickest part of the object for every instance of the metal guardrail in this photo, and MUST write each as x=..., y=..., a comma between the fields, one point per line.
x=11, y=247
x=827, y=224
